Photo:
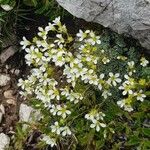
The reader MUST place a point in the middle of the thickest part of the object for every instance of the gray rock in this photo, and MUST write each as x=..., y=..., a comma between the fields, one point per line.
x=25, y=112
x=7, y=53
x=2, y=112
x=129, y=17
x=28, y=114
x=4, y=79
x=4, y=141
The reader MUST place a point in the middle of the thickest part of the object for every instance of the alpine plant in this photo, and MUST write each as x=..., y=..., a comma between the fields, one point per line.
x=63, y=62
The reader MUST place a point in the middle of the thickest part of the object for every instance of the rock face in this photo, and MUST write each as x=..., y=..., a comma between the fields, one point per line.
x=129, y=17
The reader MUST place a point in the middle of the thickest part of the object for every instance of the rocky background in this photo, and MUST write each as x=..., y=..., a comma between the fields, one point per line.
x=128, y=17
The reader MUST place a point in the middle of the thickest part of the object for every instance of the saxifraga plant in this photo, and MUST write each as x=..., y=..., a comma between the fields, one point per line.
x=77, y=93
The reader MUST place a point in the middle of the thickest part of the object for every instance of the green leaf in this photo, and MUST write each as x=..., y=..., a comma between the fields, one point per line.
x=100, y=144
x=133, y=140
x=30, y=2
x=146, y=131
x=146, y=145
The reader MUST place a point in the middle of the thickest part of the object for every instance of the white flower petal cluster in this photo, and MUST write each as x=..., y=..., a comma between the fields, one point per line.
x=82, y=35
x=131, y=67
x=124, y=104
x=56, y=128
x=144, y=62
x=106, y=93
x=42, y=33
x=6, y=7
x=114, y=79
x=71, y=95
x=25, y=43
x=127, y=85
x=105, y=60
x=60, y=110
x=64, y=131
x=97, y=119
x=48, y=140
x=140, y=96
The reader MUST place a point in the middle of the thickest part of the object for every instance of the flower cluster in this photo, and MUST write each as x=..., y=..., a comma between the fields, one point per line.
x=130, y=89
x=97, y=119
x=48, y=140
x=60, y=64
x=56, y=128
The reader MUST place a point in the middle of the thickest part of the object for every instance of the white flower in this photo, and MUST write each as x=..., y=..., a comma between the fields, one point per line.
x=94, y=39
x=121, y=103
x=62, y=111
x=65, y=131
x=106, y=93
x=7, y=7
x=126, y=89
x=50, y=27
x=43, y=44
x=101, y=77
x=82, y=35
x=131, y=67
x=128, y=108
x=129, y=80
x=96, y=124
x=53, y=110
x=57, y=21
x=94, y=115
x=22, y=83
x=25, y=43
x=60, y=39
x=74, y=97
x=105, y=60
x=65, y=92
x=124, y=104
x=30, y=55
x=62, y=29
x=114, y=78
x=42, y=33
x=59, y=60
x=144, y=62
x=56, y=128
x=48, y=140
x=140, y=96
x=54, y=94
x=131, y=64
x=93, y=80
x=44, y=79
x=87, y=76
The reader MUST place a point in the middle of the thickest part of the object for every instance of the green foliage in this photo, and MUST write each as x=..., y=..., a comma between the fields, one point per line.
x=125, y=129
x=49, y=8
x=11, y=20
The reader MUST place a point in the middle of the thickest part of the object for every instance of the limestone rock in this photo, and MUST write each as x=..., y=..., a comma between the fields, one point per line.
x=129, y=17
x=6, y=54
x=2, y=112
x=4, y=141
x=4, y=79
x=28, y=114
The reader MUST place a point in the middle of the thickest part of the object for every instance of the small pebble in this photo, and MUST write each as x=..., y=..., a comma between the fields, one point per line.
x=4, y=79
x=4, y=141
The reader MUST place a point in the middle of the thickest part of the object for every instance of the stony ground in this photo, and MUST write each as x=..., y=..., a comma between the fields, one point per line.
x=9, y=98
